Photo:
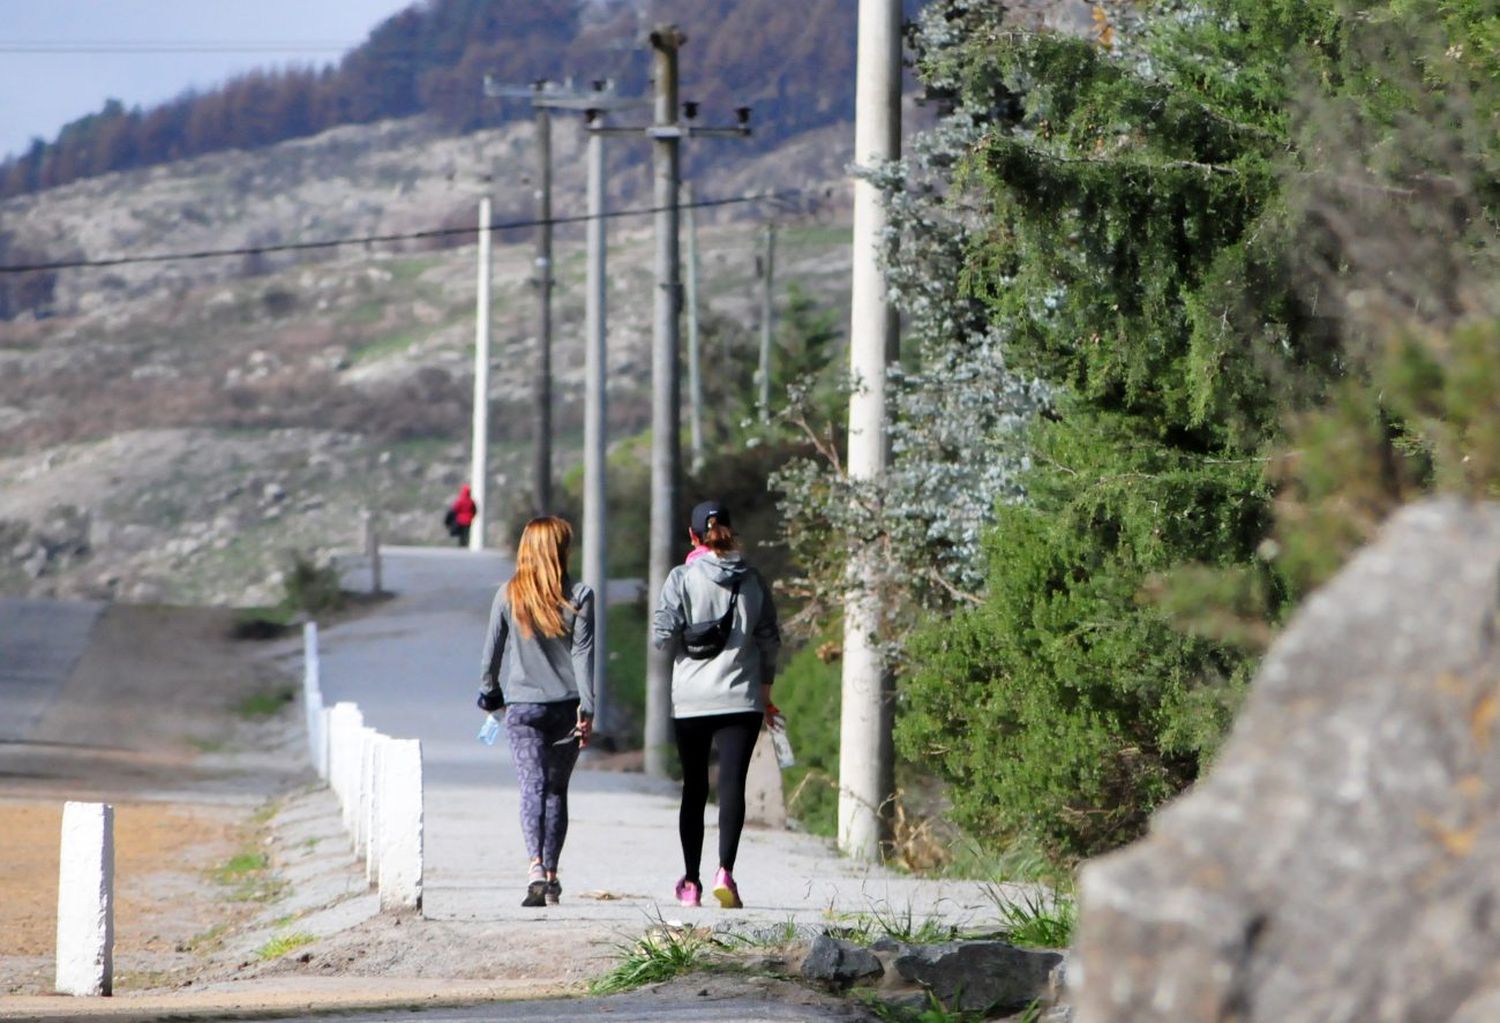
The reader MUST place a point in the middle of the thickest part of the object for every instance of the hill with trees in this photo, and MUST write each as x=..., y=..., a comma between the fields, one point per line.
x=793, y=63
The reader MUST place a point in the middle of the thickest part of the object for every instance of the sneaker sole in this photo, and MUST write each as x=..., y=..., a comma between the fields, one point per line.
x=728, y=899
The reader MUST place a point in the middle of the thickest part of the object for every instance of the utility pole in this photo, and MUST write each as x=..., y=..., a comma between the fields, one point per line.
x=767, y=313
x=666, y=445
x=480, y=442
x=595, y=408
x=666, y=132
x=595, y=431
x=866, y=756
x=594, y=102
x=542, y=389
x=695, y=353
x=540, y=93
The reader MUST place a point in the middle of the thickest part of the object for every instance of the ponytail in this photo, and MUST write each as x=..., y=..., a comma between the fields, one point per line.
x=720, y=538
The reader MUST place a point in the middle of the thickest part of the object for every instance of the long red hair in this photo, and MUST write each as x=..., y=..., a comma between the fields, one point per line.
x=535, y=592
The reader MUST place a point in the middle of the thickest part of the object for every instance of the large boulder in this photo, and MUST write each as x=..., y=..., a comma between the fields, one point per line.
x=1339, y=863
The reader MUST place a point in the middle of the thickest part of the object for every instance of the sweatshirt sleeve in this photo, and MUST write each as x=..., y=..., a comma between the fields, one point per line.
x=583, y=650
x=494, y=645
x=668, y=621
x=767, y=633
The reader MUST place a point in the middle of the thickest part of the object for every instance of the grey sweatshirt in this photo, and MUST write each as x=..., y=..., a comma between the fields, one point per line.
x=541, y=669
x=728, y=683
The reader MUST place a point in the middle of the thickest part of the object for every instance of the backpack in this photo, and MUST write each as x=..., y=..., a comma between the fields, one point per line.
x=702, y=641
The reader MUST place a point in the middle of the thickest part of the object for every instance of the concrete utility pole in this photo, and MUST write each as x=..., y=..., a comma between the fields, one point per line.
x=695, y=353
x=594, y=103
x=666, y=132
x=666, y=445
x=480, y=442
x=595, y=431
x=543, y=95
x=767, y=317
x=542, y=390
x=865, y=752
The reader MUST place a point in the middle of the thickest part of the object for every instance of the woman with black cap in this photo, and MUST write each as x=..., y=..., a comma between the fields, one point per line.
x=716, y=616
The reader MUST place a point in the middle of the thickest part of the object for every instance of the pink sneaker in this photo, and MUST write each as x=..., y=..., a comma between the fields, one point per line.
x=726, y=891
x=689, y=893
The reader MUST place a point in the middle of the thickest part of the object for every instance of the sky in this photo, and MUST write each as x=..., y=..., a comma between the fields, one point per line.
x=61, y=59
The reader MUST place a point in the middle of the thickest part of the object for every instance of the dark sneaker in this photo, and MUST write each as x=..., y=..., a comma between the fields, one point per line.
x=536, y=894
x=553, y=891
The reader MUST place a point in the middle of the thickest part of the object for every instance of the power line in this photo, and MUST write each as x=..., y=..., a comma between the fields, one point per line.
x=442, y=232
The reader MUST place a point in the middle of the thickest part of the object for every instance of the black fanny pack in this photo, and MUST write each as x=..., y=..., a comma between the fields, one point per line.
x=703, y=640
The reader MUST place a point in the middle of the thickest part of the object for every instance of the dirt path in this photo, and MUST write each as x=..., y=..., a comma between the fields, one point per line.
x=162, y=717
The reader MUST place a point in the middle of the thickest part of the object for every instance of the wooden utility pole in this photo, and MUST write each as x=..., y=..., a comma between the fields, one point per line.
x=866, y=755
x=695, y=352
x=767, y=317
x=666, y=447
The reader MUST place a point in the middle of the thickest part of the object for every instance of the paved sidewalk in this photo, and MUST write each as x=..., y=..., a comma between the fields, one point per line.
x=412, y=666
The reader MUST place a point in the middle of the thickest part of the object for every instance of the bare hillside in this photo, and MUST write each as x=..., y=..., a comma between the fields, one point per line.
x=175, y=428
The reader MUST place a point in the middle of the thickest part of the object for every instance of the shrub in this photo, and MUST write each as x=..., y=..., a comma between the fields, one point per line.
x=808, y=692
x=310, y=587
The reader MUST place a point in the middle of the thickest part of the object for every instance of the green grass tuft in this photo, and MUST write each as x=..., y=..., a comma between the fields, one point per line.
x=284, y=943
x=661, y=954
x=884, y=920
x=1036, y=919
x=266, y=704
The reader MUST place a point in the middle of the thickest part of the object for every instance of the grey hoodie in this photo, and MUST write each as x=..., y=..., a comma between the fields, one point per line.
x=730, y=682
x=541, y=669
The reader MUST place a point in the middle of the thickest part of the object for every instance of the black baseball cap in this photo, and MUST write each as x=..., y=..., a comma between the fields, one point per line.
x=705, y=511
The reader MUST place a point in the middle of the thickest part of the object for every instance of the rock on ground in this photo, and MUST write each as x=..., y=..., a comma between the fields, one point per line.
x=1338, y=863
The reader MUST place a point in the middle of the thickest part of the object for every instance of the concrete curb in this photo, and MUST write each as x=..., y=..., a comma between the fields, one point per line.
x=278, y=997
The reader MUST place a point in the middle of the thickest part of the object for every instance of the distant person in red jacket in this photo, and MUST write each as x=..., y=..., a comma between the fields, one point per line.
x=461, y=516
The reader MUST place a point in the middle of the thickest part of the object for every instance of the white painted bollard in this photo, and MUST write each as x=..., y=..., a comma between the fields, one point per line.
x=85, y=900
x=400, y=825
x=361, y=831
x=372, y=821
x=312, y=691
x=317, y=739
x=345, y=724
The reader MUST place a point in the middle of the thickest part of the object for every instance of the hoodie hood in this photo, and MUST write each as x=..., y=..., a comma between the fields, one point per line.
x=724, y=569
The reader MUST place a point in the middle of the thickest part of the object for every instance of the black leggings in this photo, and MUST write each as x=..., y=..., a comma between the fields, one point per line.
x=736, y=739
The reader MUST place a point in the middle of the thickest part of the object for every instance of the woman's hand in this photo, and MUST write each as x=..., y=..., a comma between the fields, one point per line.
x=772, y=711
x=585, y=729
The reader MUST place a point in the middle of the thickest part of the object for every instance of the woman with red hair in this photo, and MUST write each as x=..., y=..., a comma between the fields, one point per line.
x=545, y=622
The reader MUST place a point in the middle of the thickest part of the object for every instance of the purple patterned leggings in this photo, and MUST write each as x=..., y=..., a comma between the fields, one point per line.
x=542, y=773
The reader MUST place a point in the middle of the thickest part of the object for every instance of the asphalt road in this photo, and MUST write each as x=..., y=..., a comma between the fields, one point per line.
x=40, y=643
x=413, y=667
x=629, y=1008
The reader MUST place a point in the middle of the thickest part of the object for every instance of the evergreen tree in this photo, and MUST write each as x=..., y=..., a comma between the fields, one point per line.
x=1139, y=258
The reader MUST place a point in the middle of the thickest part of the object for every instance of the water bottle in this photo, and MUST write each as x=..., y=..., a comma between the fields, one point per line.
x=780, y=743
x=489, y=730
